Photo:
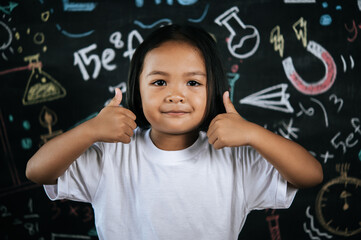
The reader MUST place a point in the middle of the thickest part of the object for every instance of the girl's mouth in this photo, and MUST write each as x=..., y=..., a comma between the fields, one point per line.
x=175, y=113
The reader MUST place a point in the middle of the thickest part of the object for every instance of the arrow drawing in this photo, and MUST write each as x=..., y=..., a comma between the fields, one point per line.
x=274, y=98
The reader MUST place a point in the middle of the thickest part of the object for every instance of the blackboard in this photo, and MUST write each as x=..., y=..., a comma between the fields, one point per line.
x=293, y=66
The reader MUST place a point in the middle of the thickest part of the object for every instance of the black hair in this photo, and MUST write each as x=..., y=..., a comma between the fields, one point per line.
x=216, y=79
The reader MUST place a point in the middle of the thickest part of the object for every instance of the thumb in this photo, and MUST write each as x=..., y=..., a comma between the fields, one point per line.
x=117, y=99
x=228, y=103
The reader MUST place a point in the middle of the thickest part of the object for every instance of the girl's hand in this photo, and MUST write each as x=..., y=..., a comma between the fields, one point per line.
x=228, y=129
x=114, y=123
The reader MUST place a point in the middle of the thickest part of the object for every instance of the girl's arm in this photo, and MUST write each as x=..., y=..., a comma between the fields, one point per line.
x=112, y=124
x=293, y=162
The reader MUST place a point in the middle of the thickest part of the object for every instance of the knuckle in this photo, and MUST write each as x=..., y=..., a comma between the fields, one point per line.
x=127, y=140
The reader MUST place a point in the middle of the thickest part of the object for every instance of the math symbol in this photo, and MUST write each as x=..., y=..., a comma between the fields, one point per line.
x=353, y=30
x=288, y=130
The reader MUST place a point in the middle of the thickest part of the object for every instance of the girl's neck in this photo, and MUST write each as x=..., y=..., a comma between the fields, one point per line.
x=173, y=142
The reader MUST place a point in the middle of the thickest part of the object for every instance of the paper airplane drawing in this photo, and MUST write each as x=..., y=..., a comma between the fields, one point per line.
x=274, y=98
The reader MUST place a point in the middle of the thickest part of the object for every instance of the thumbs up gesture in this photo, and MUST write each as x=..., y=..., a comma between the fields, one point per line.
x=114, y=123
x=228, y=129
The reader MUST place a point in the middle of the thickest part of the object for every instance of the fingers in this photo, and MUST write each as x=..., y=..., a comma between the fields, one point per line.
x=115, y=123
x=217, y=140
x=228, y=103
x=214, y=134
x=117, y=99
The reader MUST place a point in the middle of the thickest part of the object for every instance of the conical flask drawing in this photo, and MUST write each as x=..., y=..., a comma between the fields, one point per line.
x=239, y=34
x=41, y=87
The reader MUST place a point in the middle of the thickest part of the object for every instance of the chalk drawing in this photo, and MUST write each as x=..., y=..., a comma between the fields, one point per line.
x=26, y=125
x=8, y=8
x=8, y=154
x=6, y=40
x=344, y=63
x=26, y=143
x=274, y=227
x=353, y=30
x=290, y=130
x=140, y=3
x=61, y=236
x=41, y=87
x=74, y=35
x=336, y=100
x=200, y=19
x=323, y=109
x=6, y=43
x=276, y=38
x=274, y=98
x=69, y=6
x=300, y=28
x=299, y=1
x=83, y=58
x=78, y=6
x=309, y=112
x=133, y=34
x=116, y=39
x=326, y=156
x=313, y=228
x=236, y=39
x=232, y=79
x=48, y=119
x=325, y=20
x=350, y=140
x=312, y=88
x=152, y=25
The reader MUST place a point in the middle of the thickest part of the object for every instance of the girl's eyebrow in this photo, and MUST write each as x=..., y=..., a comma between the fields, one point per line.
x=194, y=73
x=156, y=72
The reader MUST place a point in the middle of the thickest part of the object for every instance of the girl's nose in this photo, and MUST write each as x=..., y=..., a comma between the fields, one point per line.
x=172, y=98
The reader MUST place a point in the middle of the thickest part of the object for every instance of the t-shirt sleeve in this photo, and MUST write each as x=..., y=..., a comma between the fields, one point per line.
x=80, y=181
x=263, y=185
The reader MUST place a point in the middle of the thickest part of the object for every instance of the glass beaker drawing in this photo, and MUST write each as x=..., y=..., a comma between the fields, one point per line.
x=240, y=34
x=41, y=87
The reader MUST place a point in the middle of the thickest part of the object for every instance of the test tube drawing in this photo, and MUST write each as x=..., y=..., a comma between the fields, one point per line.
x=240, y=34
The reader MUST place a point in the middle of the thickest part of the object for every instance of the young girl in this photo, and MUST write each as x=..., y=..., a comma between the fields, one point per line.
x=180, y=163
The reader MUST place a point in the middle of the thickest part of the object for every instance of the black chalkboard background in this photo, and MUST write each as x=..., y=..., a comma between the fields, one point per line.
x=60, y=61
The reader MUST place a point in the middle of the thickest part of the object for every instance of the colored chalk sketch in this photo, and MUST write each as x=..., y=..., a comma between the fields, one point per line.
x=48, y=119
x=41, y=87
x=338, y=204
x=312, y=88
x=238, y=33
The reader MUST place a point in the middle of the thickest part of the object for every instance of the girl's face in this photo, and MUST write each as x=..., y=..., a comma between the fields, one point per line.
x=173, y=88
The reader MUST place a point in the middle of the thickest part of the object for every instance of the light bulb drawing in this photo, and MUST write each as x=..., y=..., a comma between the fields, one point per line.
x=239, y=34
x=48, y=119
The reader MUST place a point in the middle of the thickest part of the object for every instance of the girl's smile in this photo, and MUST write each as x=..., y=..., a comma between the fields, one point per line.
x=173, y=89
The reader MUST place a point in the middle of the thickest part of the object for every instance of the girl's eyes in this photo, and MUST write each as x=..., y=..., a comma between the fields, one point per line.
x=191, y=83
x=159, y=83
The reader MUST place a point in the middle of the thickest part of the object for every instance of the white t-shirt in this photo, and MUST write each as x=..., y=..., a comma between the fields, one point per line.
x=140, y=192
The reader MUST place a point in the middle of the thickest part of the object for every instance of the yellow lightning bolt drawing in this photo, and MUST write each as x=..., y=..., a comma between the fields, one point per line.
x=276, y=38
x=300, y=28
